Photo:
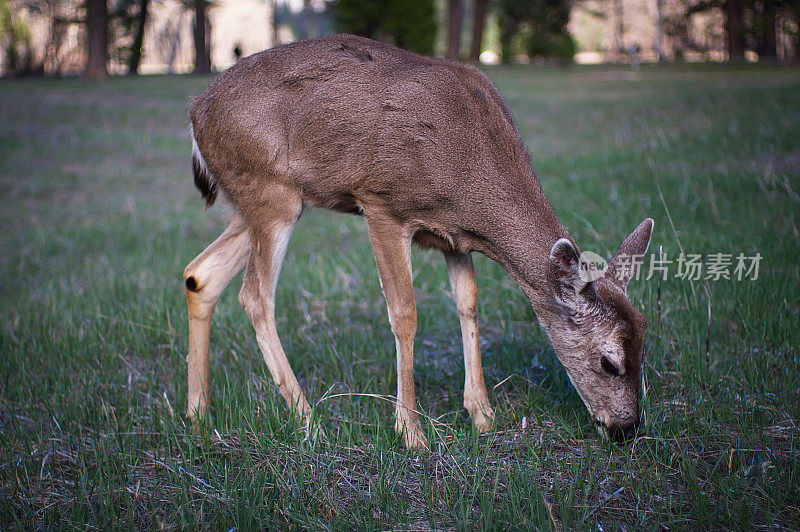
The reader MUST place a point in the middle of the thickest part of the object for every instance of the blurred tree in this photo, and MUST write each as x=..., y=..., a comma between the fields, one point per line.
x=659, y=20
x=455, y=17
x=733, y=30
x=748, y=25
x=793, y=14
x=136, y=47
x=360, y=17
x=536, y=27
x=273, y=21
x=306, y=22
x=15, y=38
x=126, y=25
x=731, y=38
x=96, y=39
x=478, y=21
x=619, y=28
x=202, y=37
x=510, y=14
x=549, y=35
x=768, y=46
x=410, y=24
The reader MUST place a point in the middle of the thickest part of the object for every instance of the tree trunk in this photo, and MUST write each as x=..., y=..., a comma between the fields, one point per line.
x=273, y=22
x=96, y=39
x=138, y=40
x=54, y=38
x=733, y=24
x=508, y=28
x=202, y=38
x=307, y=30
x=797, y=35
x=619, y=31
x=660, y=30
x=455, y=15
x=769, y=48
x=174, y=33
x=477, y=29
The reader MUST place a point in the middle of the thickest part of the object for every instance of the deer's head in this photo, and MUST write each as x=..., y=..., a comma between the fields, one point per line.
x=597, y=333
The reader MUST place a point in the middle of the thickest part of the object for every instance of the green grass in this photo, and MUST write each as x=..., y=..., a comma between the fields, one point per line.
x=100, y=216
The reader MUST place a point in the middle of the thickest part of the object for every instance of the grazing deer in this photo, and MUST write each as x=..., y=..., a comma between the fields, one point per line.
x=427, y=151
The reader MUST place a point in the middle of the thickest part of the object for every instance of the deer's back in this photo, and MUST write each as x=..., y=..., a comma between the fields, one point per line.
x=353, y=122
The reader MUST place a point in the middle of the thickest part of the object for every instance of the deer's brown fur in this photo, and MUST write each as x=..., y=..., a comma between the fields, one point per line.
x=427, y=151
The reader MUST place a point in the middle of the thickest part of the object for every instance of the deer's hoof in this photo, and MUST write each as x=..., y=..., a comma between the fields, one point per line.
x=411, y=432
x=482, y=416
x=482, y=422
x=196, y=411
x=415, y=439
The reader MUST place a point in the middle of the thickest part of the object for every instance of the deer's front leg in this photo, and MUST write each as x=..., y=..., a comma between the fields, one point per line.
x=465, y=293
x=392, y=248
x=205, y=278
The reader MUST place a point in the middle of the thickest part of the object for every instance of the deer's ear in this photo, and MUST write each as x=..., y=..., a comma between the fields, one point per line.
x=627, y=259
x=564, y=274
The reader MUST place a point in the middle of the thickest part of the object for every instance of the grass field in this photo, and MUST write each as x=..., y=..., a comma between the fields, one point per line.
x=99, y=216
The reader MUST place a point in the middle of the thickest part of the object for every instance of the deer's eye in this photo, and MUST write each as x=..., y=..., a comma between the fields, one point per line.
x=608, y=366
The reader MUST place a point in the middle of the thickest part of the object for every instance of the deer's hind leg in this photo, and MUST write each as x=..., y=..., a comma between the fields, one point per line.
x=281, y=209
x=465, y=293
x=205, y=278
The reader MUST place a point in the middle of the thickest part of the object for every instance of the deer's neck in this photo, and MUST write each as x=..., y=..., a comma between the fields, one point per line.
x=519, y=235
